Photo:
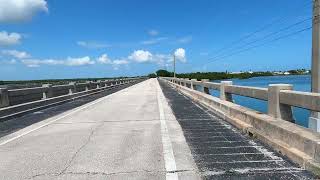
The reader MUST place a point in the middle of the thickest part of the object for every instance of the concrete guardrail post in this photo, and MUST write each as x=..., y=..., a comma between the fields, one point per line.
x=275, y=108
x=181, y=81
x=186, y=82
x=193, y=86
x=4, y=97
x=73, y=87
x=103, y=83
x=48, y=93
x=98, y=84
x=88, y=85
x=223, y=94
x=205, y=89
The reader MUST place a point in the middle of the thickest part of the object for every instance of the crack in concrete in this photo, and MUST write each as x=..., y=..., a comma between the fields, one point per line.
x=81, y=147
x=107, y=174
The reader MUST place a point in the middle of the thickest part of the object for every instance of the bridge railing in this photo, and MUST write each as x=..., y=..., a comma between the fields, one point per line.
x=277, y=129
x=280, y=97
x=19, y=101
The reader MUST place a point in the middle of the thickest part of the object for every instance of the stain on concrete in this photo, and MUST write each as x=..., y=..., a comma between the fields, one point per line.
x=223, y=152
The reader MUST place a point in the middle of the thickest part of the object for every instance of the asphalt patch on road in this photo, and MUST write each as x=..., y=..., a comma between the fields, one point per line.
x=221, y=151
x=12, y=125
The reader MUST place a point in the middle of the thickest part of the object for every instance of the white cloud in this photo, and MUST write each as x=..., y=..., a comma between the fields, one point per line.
x=184, y=40
x=16, y=54
x=153, y=32
x=68, y=62
x=104, y=59
x=92, y=45
x=141, y=56
x=20, y=10
x=180, y=54
x=38, y=63
x=9, y=39
x=120, y=62
x=79, y=61
x=162, y=59
x=154, y=41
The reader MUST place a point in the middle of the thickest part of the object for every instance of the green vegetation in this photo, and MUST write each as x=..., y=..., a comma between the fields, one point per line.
x=152, y=75
x=213, y=75
x=298, y=71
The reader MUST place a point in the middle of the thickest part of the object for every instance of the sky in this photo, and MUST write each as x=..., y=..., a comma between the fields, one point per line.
x=46, y=39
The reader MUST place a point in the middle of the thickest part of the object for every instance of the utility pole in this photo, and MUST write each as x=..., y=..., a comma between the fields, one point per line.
x=314, y=120
x=174, y=65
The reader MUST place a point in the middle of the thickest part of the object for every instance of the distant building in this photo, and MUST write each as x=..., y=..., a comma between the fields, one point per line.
x=277, y=72
x=286, y=73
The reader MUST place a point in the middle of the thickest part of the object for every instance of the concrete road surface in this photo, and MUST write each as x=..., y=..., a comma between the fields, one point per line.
x=131, y=134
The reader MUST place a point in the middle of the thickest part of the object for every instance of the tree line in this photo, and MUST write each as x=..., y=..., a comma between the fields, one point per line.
x=210, y=75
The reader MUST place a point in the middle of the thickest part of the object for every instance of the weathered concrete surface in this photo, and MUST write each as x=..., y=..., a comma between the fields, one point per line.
x=222, y=151
x=115, y=137
x=16, y=123
x=297, y=143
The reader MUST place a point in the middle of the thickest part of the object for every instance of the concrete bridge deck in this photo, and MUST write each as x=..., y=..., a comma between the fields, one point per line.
x=142, y=132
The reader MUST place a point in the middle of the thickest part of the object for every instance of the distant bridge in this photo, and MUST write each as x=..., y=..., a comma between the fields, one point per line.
x=154, y=129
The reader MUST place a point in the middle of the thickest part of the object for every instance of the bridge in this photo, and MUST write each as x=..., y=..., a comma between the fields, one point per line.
x=164, y=128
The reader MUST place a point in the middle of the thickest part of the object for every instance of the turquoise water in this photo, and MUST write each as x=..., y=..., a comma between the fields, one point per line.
x=299, y=82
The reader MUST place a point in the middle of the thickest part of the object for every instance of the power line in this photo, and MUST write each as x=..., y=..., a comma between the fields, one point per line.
x=266, y=36
x=257, y=31
x=263, y=44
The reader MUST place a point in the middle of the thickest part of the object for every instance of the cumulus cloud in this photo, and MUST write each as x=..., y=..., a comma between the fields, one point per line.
x=180, y=54
x=16, y=54
x=141, y=56
x=153, y=32
x=104, y=59
x=68, y=62
x=21, y=10
x=79, y=61
x=120, y=62
x=9, y=39
x=92, y=45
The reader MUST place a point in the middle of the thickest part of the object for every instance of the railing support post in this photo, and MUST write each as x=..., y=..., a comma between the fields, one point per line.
x=88, y=85
x=223, y=94
x=4, y=97
x=275, y=108
x=48, y=93
x=193, y=86
x=314, y=123
x=205, y=89
x=186, y=82
x=73, y=88
x=98, y=84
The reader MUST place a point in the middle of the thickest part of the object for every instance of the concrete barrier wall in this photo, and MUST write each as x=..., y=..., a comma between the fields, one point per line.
x=20, y=96
x=280, y=97
x=47, y=98
x=298, y=143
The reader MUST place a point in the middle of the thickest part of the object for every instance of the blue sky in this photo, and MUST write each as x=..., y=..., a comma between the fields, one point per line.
x=102, y=38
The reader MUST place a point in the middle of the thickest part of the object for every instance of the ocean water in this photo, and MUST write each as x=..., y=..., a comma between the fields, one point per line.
x=299, y=82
